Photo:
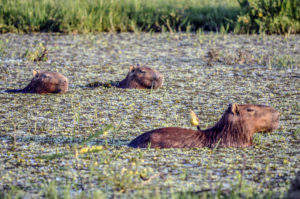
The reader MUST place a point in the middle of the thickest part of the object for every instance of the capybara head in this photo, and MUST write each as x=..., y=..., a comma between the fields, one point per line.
x=142, y=77
x=253, y=118
x=47, y=82
x=44, y=82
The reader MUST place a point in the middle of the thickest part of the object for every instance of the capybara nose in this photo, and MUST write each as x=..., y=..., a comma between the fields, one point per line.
x=155, y=77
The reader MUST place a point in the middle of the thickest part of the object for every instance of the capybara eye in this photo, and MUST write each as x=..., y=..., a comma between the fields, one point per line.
x=250, y=110
x=45, y=76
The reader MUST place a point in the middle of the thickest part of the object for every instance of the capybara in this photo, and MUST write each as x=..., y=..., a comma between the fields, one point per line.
x=44, y=82
x=294, y=191
x=142, y=77
x=235, y=129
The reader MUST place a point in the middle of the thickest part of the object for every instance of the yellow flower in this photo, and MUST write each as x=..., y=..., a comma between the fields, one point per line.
x=194, y=119
x=105, y=133
x=97, y=148
x=84, y=150
x=123, y=170
x=90, y=149
x=260, y=14
x=285, y=161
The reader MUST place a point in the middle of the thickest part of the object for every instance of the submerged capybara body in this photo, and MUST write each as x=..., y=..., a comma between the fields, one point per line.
x=142, y=77
x=44, y=82
x=235, y=129
x=294, y=191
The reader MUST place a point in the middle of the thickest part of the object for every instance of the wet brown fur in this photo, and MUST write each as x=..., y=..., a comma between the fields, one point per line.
x=142, y=77
x=235, y=129
x=294, y=191
x=45, y=82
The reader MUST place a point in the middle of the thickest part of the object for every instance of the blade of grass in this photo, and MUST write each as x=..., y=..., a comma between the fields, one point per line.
x=98, y=133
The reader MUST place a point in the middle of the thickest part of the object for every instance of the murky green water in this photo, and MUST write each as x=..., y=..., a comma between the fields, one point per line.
x=244, y=69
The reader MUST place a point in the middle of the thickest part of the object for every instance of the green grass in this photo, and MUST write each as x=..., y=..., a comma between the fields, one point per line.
x=269, y=16
x=109, y=15
x=244, y=16
x=51, y=190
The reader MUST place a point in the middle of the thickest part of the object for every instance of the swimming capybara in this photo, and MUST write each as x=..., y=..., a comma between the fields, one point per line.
x=235, y=129
x=294, y=191
x=142, y=77
x=44, y=82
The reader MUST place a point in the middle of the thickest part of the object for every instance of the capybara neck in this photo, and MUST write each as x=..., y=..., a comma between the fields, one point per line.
x=142, y=77
x=235, y=129
x=44, y=82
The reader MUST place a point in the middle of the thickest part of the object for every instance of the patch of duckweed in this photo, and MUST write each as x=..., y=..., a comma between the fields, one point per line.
x=57, y=145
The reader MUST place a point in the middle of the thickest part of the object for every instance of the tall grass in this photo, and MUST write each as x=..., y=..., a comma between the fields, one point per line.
x=113, y=15
x=77, y=16
x=270, y=16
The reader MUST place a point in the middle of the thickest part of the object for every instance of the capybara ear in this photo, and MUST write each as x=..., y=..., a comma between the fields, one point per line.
x=35, y=72
x=234, y=108
x=131, y=68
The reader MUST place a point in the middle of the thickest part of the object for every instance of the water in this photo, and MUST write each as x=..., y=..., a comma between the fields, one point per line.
x=53, y=124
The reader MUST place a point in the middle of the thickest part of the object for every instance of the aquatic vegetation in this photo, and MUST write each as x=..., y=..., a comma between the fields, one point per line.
x=39, y=54
x=40, y=134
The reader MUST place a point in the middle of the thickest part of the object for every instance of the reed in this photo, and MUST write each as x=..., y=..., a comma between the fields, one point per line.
x=75, y=16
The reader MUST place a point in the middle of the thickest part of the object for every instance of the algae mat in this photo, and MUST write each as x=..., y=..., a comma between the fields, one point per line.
x=45, y=138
